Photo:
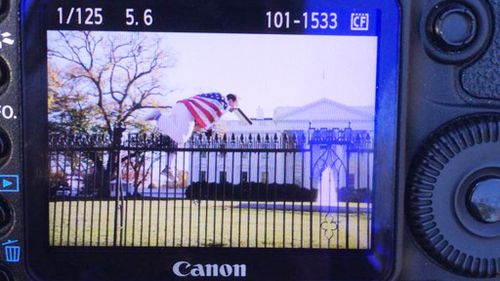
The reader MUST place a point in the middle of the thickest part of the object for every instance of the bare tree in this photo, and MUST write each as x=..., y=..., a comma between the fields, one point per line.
x=98, y=82
x=135, y=169
x=119, y=75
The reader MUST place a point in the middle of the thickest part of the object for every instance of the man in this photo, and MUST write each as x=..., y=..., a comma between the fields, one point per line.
x=198, y=113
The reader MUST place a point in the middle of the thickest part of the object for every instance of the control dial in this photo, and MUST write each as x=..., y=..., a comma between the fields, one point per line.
x=453, y=195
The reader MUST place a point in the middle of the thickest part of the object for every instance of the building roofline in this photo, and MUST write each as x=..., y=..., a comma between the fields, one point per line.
x=351, y=109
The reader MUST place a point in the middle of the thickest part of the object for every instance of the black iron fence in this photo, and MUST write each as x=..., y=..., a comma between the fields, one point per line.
x=291, y=190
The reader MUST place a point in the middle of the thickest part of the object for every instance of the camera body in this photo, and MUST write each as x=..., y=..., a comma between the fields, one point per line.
x=437, y=105
x=447, y=140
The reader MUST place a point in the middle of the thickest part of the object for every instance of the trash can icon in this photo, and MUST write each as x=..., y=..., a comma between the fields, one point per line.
x=12, y=252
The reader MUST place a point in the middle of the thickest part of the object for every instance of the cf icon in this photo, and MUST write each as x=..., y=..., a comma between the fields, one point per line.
x=360, y=21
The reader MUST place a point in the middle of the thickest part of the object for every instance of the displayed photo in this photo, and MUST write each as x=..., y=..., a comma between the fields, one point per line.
x=211, y=139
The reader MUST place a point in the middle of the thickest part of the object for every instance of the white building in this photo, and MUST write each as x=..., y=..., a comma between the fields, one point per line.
x=323, y=113
x=275, y=166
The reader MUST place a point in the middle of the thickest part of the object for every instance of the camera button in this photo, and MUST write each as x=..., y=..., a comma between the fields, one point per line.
x=455, y=28
x=484, y=200
x=4, y=75
x=4, y=9
x=6, y=217
x=5, y=147
x=5, y=275
x=455, y=31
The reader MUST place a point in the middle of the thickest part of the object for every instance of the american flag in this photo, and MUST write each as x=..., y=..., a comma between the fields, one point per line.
x=206, y=108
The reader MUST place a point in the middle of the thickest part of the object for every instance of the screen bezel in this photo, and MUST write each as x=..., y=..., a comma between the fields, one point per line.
x=75, y=263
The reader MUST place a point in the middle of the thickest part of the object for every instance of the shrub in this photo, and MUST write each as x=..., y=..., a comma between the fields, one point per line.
x=357, y=195
x=250, y=191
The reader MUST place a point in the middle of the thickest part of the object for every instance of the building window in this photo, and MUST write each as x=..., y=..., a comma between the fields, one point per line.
x=203, y=176
x=244, y=176
x=223, y=176
x=351, y=180
x=203, y=154
x=244, y=155
x=264, y=178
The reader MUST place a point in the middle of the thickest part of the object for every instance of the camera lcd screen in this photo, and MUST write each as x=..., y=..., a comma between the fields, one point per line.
x=215, y=126
x=298, y=175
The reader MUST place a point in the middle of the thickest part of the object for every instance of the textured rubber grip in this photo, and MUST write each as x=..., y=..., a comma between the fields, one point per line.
x=481, y=80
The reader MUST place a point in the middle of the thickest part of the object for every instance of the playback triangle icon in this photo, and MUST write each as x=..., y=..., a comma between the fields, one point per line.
x=9, y=183
x=6, y=183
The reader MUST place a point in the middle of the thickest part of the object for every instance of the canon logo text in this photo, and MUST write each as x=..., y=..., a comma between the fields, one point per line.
x=185, y=269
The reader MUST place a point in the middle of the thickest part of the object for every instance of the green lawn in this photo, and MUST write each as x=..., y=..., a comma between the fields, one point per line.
x=185, y=223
